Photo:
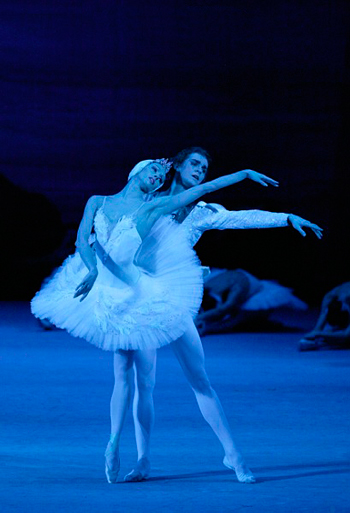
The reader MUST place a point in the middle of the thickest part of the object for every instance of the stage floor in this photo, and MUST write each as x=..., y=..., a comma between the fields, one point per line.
x=289, y=412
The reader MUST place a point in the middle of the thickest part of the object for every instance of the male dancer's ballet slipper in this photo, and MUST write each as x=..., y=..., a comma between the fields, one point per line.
x=140, y=472
x=244, y=475
x=112, y=464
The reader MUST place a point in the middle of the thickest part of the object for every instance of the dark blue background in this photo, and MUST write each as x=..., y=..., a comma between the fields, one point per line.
x=89, y=88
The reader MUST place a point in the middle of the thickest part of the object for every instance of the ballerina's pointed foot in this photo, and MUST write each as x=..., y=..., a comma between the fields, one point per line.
x=244, y=475
x=140, y=472
x=112, y=463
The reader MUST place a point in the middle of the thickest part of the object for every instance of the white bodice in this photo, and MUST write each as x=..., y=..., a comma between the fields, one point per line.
x=120, y=243
x=122, y=236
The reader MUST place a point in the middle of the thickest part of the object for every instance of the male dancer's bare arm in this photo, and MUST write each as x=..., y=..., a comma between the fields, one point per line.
x=169, y=204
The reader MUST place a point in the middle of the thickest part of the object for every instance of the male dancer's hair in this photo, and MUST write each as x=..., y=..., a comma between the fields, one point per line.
x=184, y=154
x=179, y=159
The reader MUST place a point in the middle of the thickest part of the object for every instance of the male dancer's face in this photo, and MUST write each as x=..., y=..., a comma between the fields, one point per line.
x=193, y=170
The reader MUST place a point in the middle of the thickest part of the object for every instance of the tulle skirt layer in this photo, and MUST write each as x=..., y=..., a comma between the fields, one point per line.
x=152, y=313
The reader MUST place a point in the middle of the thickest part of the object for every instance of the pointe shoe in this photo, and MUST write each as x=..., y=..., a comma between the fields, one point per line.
x=140, y=472
x=112, y=464
x=243, y=474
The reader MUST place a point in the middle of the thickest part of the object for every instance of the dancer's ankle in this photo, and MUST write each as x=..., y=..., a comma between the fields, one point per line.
x=113, y=441
x=243, y=473
x=145, y=458
x=141, y=471
x=234, y=457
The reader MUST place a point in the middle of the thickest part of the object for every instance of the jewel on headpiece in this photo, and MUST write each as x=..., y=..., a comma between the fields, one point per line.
x=141, y=165
x=165, y=163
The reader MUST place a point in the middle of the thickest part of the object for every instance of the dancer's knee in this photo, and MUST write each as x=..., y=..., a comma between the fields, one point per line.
x=122, y=377
x=122, y=382
x=145, y=384
x=201, y=385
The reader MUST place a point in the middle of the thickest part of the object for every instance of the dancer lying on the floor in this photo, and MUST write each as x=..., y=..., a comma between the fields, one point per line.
x=235, y=297
x=191, y=167
x=123, y=307
x=333, y=323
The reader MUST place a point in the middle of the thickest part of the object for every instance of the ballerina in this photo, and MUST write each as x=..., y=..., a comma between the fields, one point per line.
x=114, y=311
x=191, y=167
x=118, y=305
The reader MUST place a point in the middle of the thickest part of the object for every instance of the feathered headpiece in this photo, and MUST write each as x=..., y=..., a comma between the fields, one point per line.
x=141, y=165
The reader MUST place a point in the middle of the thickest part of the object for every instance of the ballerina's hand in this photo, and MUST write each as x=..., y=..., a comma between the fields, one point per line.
x=298, y=223
x=260, y=178
x=86, y=285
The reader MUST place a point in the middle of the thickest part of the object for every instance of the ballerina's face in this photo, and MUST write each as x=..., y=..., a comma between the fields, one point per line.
x=152, y=177
x=193, y=170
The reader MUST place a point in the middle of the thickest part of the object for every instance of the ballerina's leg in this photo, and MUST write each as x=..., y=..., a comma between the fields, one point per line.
x=122, y=364
x=143, y=411
x=189, y=351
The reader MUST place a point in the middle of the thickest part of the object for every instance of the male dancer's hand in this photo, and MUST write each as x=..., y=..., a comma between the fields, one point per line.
x=298, y=223
x=260, y=178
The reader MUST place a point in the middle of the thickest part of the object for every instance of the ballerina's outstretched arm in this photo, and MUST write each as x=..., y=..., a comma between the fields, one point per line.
x=168, y=204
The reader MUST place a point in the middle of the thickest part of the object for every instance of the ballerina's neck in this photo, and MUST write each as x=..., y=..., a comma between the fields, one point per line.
x=114, y=219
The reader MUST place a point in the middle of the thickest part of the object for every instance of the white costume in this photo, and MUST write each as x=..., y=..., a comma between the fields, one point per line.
x=212, y=216
x=266, y=294
x=156, y=306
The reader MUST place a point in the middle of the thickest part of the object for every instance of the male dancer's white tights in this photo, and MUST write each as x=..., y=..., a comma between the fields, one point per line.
x=189, y=351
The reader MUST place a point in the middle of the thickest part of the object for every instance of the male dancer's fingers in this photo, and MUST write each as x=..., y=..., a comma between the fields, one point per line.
x=300, y=230
x=316, y=229
x=318, y=233
x=269, y=181
x=273, y=182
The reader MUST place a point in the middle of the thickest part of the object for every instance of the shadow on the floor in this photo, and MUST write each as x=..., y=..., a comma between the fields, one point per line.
x=304, y=474
x=332, y=468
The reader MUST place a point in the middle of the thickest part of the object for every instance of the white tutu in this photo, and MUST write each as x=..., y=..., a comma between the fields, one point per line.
x=154, y=311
